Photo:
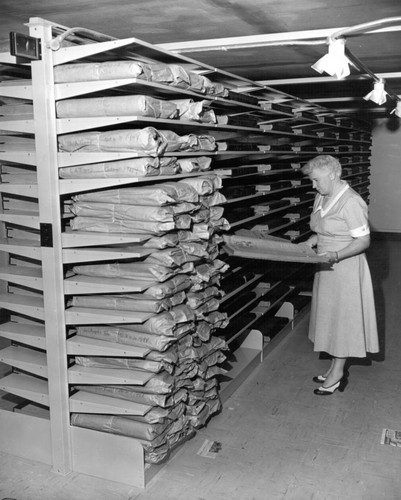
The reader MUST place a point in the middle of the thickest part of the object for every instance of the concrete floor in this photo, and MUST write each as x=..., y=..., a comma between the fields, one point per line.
x=278, y=440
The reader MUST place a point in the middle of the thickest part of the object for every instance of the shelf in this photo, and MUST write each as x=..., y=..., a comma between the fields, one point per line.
x=82, y=158
x=68, y=125
x=279, y=228
x=359, y=184
x=25, y=359
x=93, y=284
x=72, y=255
x=79, y=158
x=76, y=89
x=355, y=174
x=231, y=201
x=25, y=126
x=258, y=217
x=77, y=124
x=23, y=304
x=33, y=335
x=21, y=218
x=24, y=248
x=29, y=190
x=242, y=287
x=20, y=89
x=230, y=173
x=89, y=239
x=263, y=290
x=137, y=85
x=88, y=316
x=69, y=186
x=27, y=387
x=25, y=276
x=66, y=159
x=134, y=48
x=20, y=157
x=260, y=292
x=86, y=346
x=259, y=311
x=83, y=375
x=85, y=402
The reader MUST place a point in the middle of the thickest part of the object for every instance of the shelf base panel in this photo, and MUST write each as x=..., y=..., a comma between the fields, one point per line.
x=26, y=437
x=111, y=457
x=107, y=456
x=248, y=356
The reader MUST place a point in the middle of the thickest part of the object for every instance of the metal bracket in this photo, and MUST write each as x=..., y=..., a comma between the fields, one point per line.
x=25, y=46
x=46, y=235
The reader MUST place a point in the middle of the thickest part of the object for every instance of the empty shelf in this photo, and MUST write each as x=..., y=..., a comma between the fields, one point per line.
x=17, y=125
x=88, y=316
x=92, y=254
x=16, y=88
x=24, y=248
x=22, y=275
x=27, y=387
x=86, y=346
x=76, y=158
x=29, y=190
x=23, y=304
x=86, y=238
x=84, y=375
x=23, y=157
x=74, y=89
x=68, y=186
x=94, y=284
x=25, y=359
x=21, y=218
x=33, y=335
x=85, y=402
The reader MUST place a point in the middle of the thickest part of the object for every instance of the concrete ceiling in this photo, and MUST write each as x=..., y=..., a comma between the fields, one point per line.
x=286, y=67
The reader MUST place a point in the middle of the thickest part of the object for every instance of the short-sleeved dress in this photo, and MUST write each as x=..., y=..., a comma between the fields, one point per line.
x=343, y=318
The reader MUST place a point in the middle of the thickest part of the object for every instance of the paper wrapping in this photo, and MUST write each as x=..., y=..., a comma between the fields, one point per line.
x=270, y=248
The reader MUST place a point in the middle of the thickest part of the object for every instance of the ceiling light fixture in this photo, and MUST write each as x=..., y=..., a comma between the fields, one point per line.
x=335, y=62
x=378, y=94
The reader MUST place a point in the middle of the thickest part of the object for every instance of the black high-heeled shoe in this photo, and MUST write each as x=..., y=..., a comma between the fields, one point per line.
x=328, y=391
x=319, y=379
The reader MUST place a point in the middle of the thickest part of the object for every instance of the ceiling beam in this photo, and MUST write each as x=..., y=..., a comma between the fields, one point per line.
x=325, y=79
x=243, y=42
x=337, y=99
x=359, y=110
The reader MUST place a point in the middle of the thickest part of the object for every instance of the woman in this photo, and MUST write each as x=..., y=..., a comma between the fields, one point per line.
x=343, y=320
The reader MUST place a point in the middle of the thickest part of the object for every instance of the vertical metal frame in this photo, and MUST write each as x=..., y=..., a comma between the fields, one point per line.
x=51, y=248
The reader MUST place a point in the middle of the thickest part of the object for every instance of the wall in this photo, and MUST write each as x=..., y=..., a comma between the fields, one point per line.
x=385, y=197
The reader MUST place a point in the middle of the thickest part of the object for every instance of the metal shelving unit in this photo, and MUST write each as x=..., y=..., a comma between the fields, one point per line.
x=37, y=246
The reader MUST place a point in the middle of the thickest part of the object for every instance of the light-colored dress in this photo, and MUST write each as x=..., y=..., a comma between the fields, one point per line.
x=343, y=318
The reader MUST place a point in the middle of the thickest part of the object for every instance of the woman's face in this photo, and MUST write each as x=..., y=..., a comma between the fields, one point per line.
x=322, y=181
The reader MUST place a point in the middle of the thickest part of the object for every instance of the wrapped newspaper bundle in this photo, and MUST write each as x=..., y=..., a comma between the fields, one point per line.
x=269, y=248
